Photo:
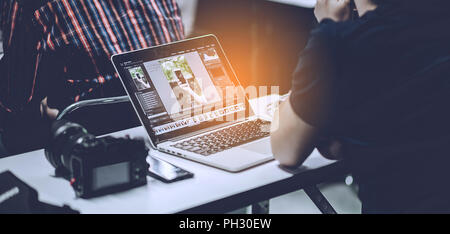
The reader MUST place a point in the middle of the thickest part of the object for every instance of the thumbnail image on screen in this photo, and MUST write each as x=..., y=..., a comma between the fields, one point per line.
x=189, y=87
x=210, y=56
x=137, y=74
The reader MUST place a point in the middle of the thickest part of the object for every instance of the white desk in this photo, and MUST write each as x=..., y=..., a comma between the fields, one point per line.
x=300, y=3
x=209, y=185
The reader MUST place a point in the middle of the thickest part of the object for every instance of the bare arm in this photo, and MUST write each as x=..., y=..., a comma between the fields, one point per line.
x=292, y=139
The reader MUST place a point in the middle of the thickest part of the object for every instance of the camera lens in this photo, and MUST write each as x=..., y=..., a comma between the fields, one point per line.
x=65, y=136
x=95, y=166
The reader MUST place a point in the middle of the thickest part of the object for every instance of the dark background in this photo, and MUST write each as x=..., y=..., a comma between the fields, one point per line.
x=262, y=39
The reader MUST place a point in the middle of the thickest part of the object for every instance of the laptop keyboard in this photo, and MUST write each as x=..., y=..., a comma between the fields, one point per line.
x=226, y=138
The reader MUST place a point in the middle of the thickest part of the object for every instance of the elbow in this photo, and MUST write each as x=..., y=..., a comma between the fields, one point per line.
x=288, y=162
x=286, y=155
x=289, y=153
x=292, y=140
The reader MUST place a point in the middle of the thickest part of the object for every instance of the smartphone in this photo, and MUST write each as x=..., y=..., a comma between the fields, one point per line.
x=166, y=172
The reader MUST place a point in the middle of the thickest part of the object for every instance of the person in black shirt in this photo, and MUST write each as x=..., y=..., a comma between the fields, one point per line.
x=375, y=92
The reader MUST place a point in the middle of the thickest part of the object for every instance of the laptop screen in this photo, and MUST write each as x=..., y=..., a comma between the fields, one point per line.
x=182, y=88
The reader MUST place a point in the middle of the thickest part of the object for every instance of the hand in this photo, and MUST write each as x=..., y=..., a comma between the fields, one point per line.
x=48, y=112
x=337, y=10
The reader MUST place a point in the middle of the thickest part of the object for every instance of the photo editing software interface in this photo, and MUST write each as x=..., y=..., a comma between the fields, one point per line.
x=184, y=91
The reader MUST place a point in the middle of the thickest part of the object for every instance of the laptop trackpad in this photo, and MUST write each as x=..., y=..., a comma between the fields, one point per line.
x=262, y=147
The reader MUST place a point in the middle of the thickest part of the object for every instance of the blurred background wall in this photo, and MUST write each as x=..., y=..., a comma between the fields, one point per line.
x=261, y=38
x=189, y=12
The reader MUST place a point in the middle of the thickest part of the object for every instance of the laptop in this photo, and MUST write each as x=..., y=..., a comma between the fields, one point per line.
x=192, y=105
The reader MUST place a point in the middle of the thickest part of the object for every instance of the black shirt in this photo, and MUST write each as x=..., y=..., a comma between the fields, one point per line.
x=383, y=81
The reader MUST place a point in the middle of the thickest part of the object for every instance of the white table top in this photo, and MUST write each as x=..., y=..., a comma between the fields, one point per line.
x=300, y=3
x=208, y=185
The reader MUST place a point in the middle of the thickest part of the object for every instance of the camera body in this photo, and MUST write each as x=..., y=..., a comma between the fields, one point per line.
x=96, y=166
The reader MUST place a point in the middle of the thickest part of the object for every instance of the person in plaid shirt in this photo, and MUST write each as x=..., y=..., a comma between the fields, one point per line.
x=77, y=39
x=80, y=36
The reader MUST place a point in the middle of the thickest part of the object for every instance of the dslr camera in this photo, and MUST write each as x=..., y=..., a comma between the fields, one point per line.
x=96, y=166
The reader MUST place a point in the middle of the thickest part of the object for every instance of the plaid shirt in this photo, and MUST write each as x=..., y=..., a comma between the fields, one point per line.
x=70, y=60
x=19, y=47
x=80, y=36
